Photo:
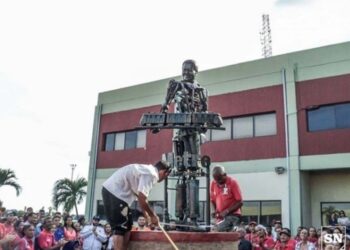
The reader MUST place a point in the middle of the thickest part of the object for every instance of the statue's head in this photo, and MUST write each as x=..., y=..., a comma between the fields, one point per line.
x=189, y=70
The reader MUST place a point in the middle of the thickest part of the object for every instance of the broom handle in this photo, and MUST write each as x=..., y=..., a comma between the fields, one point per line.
x=168, y=237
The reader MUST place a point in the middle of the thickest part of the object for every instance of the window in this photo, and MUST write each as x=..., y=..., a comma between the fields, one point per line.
x=141, y=139
x=263, y=212
x=218, y=135
x=270, y=210
x=245, y=127
x=336, y=116
x=125, y=140
x=327, y=208
x=130, y=139
x=265, y=125
x=109, y=146
x=100, y=210
x=119, y=141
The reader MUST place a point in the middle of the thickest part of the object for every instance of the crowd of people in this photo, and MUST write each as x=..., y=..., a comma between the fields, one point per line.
x=42, y=231
x=59, y=231
x=277, y=237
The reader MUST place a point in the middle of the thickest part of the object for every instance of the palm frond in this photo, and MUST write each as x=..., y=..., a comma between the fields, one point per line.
x=8, y=178
x=68, y=193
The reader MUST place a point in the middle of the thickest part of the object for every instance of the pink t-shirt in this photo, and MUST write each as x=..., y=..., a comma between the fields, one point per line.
x=70, y=234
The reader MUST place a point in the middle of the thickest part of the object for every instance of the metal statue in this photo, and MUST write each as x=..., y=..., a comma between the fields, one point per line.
x=191, y=119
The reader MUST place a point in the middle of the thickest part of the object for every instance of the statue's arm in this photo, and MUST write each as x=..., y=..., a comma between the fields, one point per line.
x=171, y=91
x=203, y=95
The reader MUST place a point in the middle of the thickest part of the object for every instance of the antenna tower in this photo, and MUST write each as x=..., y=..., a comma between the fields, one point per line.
x=265, y=37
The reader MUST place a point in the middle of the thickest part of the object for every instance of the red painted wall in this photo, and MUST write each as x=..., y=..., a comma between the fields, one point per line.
x=320, y=92
x=156, y=144
x=248, y=102
x=269, y=99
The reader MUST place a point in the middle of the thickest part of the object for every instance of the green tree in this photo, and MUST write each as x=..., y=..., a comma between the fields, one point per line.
x=8, y=178
x=69, y=193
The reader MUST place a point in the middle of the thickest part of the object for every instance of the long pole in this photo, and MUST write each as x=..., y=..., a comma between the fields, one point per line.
x=73, y=166
x=168, y=237
x=208, y=217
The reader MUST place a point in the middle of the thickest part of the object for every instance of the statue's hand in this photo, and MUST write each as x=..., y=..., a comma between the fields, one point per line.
x=164, y=108
x=155, y=130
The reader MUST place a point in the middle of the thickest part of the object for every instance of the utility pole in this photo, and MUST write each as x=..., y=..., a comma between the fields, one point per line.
x=73, y=166
x=265, y=37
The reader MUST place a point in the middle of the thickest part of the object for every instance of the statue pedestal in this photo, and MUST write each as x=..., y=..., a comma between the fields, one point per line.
x=156, y=240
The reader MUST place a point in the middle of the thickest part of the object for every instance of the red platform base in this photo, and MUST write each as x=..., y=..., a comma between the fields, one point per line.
x=156, y=240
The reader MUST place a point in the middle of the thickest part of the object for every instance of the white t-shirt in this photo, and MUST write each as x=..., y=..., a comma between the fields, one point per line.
x=128, y=181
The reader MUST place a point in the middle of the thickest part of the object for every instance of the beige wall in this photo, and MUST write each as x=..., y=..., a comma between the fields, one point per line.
x=266, y=186
x=326, y=186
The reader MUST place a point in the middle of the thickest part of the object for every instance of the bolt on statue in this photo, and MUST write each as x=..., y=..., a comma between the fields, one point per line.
x=191, y=119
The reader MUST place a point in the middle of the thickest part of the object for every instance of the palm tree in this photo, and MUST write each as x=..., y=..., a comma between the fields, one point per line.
x=8, y=178
x=69, y=193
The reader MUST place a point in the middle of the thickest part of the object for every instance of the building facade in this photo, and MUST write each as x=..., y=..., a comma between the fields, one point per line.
x=287, y=137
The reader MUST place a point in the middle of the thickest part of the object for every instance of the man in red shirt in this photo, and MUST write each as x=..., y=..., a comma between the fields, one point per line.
x=285, y=242
x=46, y=239
x=226, y=198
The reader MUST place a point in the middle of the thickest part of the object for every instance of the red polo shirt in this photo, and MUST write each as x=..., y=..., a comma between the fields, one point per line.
x=290, y=245
x=224, y=195
x=2, y=231
x=46, y=239
x=9, y=228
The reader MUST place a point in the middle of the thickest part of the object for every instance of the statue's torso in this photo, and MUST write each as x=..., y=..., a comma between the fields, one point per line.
x=190, y=97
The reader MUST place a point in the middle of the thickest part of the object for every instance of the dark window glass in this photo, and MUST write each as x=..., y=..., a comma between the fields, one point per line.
x=321, y=119
x=250, y=211
x=263, y=212
x=130, y=139
x=110, y=138
x=270, y=210
x=329, y=117
x=100, y=209
x=342, y=115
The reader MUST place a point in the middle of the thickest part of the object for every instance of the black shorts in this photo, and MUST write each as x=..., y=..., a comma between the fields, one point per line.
x=118, y=213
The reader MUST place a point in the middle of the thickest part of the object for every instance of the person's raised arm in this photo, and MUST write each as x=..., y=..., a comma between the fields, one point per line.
x=146, y=208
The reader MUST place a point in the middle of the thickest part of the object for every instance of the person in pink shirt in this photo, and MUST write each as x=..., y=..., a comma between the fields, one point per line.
x=18, y=234
x=27, y=242
x=313, y=235
x=77, y=227
x=10, y=219
x=70, y=233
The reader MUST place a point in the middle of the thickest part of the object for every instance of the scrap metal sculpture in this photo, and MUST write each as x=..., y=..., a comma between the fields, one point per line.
x=192, y=120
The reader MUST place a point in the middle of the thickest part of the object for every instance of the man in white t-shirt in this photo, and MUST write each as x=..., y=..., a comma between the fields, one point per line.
x=127, y=184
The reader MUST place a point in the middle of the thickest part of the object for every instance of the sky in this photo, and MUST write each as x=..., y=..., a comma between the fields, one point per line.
x=56, y=56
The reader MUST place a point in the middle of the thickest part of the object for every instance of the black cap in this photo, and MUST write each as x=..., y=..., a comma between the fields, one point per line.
x=285, y=231
x=96, y=217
